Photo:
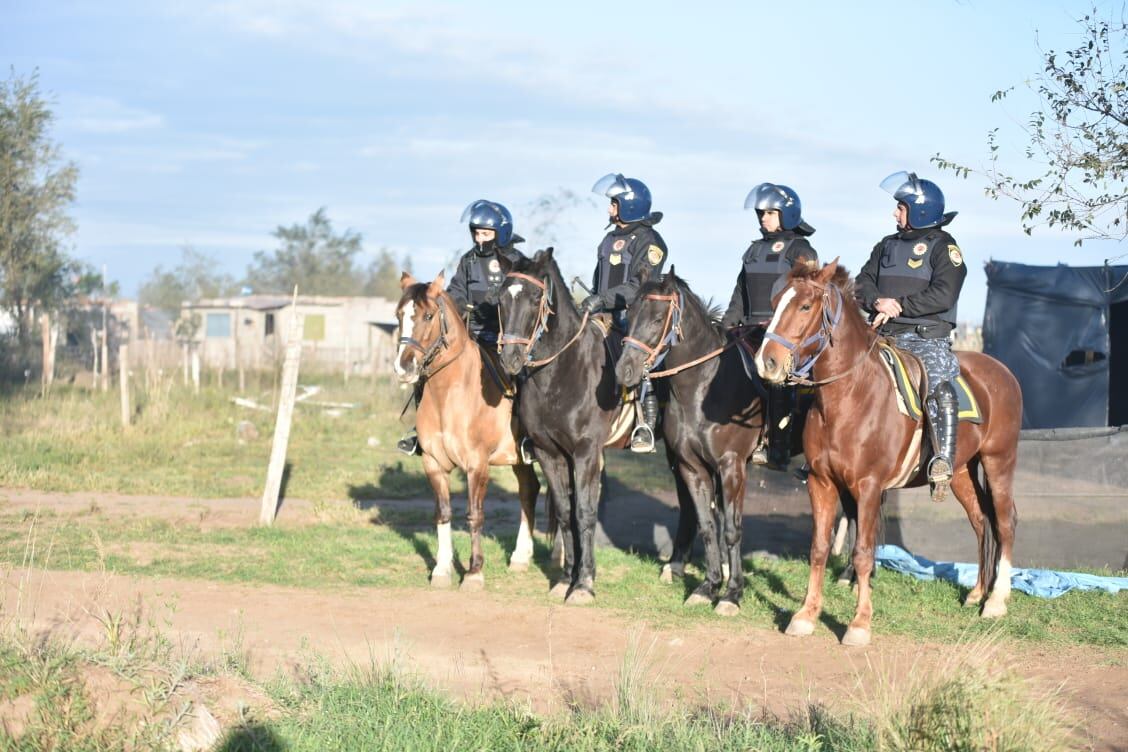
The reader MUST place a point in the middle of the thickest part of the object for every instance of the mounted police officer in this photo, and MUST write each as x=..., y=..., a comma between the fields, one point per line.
x=763, y=273
x=478, y=277
x=631, y=250
x=911, y=283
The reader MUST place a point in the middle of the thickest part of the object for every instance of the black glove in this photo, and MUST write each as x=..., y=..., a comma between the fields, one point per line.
x=592, y=304
x=730, y=320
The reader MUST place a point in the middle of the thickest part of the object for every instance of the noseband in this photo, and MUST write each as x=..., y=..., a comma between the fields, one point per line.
x=824, y=337
x=431, y=352
x=671, y=331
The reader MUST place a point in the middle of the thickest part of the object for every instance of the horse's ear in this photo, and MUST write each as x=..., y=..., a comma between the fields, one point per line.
x=406, y=280
x=827, y=272
x=543, y=255
x=437, y=285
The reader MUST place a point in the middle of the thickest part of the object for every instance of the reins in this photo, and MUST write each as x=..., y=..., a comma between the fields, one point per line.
x=539, y=327
x=431, y=352
x=671, y=333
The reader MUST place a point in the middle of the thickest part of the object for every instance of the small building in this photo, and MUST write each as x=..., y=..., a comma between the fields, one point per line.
x=251, y=330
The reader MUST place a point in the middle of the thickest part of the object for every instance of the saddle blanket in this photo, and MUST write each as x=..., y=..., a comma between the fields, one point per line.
x=908, y=395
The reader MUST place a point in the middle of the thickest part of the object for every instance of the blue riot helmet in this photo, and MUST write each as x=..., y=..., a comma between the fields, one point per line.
x=489, y=215
x=631, y=195
x=769, y=196
x=923, y=198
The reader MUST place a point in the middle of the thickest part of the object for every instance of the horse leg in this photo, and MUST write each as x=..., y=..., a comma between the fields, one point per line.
x=699, y=483
x=586, y=465
x=733, y=479
x=846, y=532
x=824, y=504
x=967, y=493
x=477, y=481
x=687, y=527
x=527, y=489
x=442, y=574
x=869, y=506
x=1004, y=520
x=556, y=472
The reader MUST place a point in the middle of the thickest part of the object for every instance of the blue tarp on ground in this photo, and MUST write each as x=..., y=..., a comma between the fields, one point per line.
x=1043, y=583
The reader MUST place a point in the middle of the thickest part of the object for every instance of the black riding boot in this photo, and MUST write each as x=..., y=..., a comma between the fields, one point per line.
x=944, y=427
x=642, y=438
x=779, y=429
x=409, y=443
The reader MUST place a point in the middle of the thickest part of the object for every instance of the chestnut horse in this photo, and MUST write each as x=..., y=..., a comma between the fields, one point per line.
x=857, y=441
x=464, y=420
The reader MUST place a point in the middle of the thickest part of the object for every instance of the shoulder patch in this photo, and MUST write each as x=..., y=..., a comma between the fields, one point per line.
x=654, y=255
x=955, y=255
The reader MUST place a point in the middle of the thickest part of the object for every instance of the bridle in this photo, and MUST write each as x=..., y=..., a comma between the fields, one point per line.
x=824, y=338
x=432, y=351
x=540, y=324
x=671, y=331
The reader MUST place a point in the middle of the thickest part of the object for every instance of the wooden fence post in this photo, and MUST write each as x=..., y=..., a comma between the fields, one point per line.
x=195, y=370
x=123, y=371
x=105, y=360
x=290, y=367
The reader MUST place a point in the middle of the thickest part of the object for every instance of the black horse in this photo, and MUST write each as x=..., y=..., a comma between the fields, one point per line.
x=712, y=423
x=568, y=400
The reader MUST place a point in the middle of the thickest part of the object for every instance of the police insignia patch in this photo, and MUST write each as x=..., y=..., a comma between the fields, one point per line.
x=777, y=246
x=618, y=246
x=919, y=249
x=654, y=255
x=615, y=259
x=955, y=255
x=915, y=263
x=495, y=267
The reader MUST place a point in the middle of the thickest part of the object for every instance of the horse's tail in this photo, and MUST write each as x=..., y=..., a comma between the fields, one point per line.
x=989, y=553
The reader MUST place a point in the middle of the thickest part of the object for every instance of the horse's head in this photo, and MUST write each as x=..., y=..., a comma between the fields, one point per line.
x=422, y=326
x=800, y=327
x=524, y=305
x=655, y=316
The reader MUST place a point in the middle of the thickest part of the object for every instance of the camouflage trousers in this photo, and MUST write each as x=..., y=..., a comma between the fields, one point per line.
x=936, y=354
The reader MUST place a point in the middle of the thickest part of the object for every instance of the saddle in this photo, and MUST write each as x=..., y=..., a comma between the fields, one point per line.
x=620, y=435
x=911, y=385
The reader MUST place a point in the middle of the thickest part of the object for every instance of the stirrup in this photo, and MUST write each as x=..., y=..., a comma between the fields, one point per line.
x=939, y=477
x=760, y=455
x=642, y=439
x=525, y=448
x=409, y=444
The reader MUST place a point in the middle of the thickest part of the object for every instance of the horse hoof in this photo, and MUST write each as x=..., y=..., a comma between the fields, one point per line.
x=516, y=565
x=441, y=581
x=667, y=575
x=973, y=600
x=697, y=599
x=856, y=637
x=559, y=590
x=580, y=597
x=727, y=608
x=472, y=583
x=844, y=583
x=800, y=628
x=993, y=610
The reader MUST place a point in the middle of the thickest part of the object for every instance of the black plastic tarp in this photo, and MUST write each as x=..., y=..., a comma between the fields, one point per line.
x=1050, y=326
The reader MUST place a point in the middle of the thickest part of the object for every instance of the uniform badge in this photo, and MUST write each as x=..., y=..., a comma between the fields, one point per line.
x=955, y=255
x=618, y=245
x=777, y=246
x=495, y=267
x=919, y=249
x=616, y=258
x=654, y=255
x=915, y=263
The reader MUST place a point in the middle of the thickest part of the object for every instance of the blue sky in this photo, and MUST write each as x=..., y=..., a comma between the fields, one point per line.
x=209, y=124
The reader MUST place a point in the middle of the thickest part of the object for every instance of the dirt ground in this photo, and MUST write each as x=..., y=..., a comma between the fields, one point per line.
x=480, y=646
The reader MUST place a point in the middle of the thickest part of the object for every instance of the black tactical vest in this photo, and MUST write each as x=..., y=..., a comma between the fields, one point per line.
x=485, y=277
x=615, y=255
x=906, y=268
x=764, y=263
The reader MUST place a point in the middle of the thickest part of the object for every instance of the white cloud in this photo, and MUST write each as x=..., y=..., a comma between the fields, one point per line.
x=91, y=114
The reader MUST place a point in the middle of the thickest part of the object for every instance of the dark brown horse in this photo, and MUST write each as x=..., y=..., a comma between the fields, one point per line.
x=856, y=440
x=464, y=420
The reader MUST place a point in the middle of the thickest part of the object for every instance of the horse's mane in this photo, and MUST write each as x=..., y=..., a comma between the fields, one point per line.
x=712, y=313
x=545, y=263
x=841, y=279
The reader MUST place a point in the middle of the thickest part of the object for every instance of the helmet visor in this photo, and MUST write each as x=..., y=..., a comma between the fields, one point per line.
x=766, y=196
x=480, y=214
x=611, y=185
x=904, y=186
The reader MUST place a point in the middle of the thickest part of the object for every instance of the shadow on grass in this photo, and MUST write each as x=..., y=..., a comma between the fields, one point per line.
x=252, y=737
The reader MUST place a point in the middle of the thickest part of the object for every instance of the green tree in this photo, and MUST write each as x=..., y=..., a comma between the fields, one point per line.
x=36, y=189
x=1078, y=139
x=193, y=278
x=383, y=279
x=311, y=256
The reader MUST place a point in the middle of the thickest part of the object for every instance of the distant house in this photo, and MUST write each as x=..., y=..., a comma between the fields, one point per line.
x=357, y=332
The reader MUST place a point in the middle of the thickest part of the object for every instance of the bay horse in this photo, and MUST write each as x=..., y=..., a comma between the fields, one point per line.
x=568, y=402
x=856, y=440
x=463, y=420
x=712, y=423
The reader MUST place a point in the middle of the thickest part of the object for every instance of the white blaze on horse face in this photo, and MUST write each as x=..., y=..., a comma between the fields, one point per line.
x=407, y=324
x=514, y=289
x=784, y=301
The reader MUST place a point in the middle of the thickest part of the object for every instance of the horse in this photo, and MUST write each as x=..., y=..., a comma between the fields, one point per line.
x=857, y=441
x=463, y=420
x=712, y=423
x=568, y=402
